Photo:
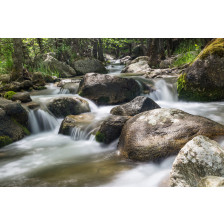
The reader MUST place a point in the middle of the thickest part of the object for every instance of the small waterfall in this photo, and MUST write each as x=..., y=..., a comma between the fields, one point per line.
x=40, y=120
x=79, y=134
x=164, y=91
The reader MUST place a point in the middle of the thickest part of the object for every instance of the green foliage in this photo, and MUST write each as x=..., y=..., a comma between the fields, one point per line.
x=46, y=70
x=186, y=58
x=9, y=95
x=5, y=140
x=6, y=51
x=188, y=50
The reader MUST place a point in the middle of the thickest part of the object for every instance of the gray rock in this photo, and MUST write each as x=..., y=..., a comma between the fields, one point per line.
x=138, y=65
x=136, y=106
x=108, y=89
x=24, y=97
x=199, y=158
x=63, y=106
x=88, y=65
x=72, y=87
x=37, y=79
x=159, y=133
x=62, y=68
x=111, y=128
x=5, y=78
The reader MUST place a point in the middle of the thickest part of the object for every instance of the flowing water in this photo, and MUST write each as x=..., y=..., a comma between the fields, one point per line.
x=46, y=158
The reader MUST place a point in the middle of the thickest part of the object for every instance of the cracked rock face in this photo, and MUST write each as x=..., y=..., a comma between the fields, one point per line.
x=196, y=162
x=158, y=133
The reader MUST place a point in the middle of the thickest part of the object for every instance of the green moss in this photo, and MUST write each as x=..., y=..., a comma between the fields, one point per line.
x=215, y=47
x=5, y=140
x=26, y=131
x=100, y=137
x=192, y=93
x=9, y=95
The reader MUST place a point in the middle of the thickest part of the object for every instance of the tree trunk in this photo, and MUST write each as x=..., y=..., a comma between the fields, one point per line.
x=161, y=49
x=100, y=50
x=154, y=53
x=17, y=71
x=95, y=48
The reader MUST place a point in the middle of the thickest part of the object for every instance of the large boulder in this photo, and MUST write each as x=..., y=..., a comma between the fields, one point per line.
x=76, y=121
x=138, y=65
x=111, y=129
x=62, y=68
x=137, y=51
x=108, y=89
x=138, y=105
x=13, y=120
x=204, y=79
x=159, y=133
x=63, y=106
x=199, y=158
x=24, y=97
x=88, y=65
x=15, y=111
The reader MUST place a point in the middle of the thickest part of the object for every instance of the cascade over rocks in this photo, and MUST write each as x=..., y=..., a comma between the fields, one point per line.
x=80, y=121
x=62, y=68
x=72, y=87
x=88, y=65
x=13, y=120
x=138, y=65
x=204, y=79
x=199, y=159
x=137, y=105
x=107, y=89
x=63, y=106
x=111, y=129
x=159, y=133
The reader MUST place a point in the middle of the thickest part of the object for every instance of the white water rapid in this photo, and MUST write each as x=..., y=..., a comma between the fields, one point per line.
x=46, y=158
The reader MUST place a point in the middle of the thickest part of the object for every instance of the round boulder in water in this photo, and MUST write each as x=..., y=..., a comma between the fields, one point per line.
x=196, y=162
x=158, y=133
x=108, y=89
x=136, y=106
x=111, y=129
x=63, y=106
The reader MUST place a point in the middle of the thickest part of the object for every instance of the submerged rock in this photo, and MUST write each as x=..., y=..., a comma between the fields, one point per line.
x=111, y=129
x=108, y=89
x=204, y=79
x=137, y=105
x=24, y=97
x=199, y=158
x=158, y=133
x=88, y=65
x=63, y=106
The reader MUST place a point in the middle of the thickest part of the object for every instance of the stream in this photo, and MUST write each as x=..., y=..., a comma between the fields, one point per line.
x=46, y=158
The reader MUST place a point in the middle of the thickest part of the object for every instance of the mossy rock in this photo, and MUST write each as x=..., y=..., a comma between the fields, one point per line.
x=100, y=137
x=5, y=140
x=214, y=47
x=8, y=95
x=203, y=80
